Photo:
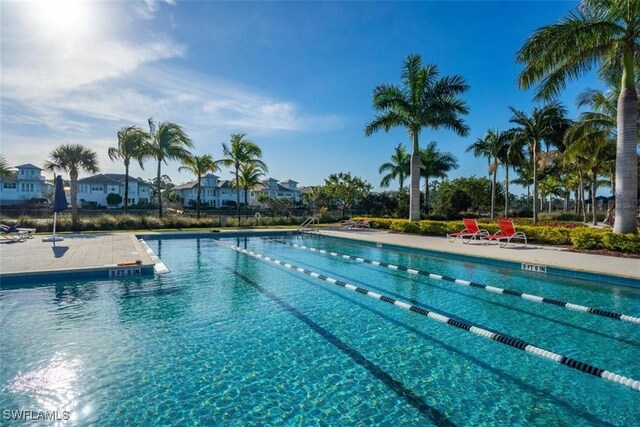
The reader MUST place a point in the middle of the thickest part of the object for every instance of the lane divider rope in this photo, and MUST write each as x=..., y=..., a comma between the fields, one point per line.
x=528, y=297
x=461, y=324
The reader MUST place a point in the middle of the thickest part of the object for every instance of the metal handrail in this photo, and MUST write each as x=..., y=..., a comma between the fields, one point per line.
x=310, y=224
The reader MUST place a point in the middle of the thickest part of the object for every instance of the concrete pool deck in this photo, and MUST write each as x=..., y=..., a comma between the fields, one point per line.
x=77, y=256
x=96, y=255
x=551, y=257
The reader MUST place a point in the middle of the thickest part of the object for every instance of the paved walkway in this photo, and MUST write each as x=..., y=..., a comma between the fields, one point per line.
x=532, y=254
x=79, y=253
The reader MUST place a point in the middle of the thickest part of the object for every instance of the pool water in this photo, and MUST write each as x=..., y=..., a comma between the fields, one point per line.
x=226, y=339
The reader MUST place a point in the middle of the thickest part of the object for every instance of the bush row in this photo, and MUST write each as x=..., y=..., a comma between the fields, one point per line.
x=107, y=222
x=577, y=235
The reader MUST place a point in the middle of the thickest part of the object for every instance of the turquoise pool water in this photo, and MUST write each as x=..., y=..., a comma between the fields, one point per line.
x=226, y=339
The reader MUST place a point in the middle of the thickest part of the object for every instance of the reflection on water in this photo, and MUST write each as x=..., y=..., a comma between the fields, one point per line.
x=51, y=386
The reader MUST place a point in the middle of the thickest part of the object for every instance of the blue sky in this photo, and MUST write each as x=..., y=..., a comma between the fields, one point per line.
x=296, y=77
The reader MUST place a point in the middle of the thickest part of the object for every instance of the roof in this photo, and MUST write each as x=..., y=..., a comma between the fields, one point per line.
x=109, y=179
x=225, y=184
x=29, y=166
x=289, y=180
x=186, y=185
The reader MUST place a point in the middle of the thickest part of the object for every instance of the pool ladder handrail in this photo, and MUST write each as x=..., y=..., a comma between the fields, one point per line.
x=310, y=224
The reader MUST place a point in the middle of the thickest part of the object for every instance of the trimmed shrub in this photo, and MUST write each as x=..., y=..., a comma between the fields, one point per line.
x=622, y=242
x=588, y=238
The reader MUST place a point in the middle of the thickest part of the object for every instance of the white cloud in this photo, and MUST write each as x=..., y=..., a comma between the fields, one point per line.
x=63, y=88
x=147, y=9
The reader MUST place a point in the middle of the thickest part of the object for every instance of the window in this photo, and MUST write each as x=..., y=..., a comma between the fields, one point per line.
x=96, y=188
x=9, y=185
x=21, y=171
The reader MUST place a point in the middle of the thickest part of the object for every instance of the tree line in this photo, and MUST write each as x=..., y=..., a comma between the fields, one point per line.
x=162, y=142
x=602, y=141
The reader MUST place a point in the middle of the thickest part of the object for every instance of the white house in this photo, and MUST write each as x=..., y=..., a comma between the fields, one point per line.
x=209, y=196
x=95, y=189
x=28, y=183
x=278, y=190
x=214, y=193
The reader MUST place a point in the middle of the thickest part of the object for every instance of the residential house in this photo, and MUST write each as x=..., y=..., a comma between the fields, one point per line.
x=274, y=189
x=209, y=196
x=27, y=183
x=95, y=189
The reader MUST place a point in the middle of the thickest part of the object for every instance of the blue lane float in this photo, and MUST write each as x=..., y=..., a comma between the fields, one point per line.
x=528, y=297
x=461, y=324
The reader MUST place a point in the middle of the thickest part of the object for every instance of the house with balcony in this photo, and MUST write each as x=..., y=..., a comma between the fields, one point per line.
x=93, y=191
x=278, y=190
x=209, y=194
x=26, y=184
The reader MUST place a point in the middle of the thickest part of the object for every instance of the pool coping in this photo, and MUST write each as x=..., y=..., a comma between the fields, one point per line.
x=376, y=239
x=373, y=238
x=104, y=272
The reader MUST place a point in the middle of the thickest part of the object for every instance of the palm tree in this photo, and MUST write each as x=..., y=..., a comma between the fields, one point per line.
x=168, y=142
x=434, y=164
x=132, y=144
x=542, y=125
x=549, y=186
x=398, y=167
x=239, y=152
x=511, y=156
x=5, y=168
x=605, y=33
x=422, y=101
x=493, y=143
x=591, y=141
x=249, y=176
x=199, y=166
x=72, y=158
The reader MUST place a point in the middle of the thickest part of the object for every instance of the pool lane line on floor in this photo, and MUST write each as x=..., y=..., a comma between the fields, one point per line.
x=501, y=291
x=461, y=324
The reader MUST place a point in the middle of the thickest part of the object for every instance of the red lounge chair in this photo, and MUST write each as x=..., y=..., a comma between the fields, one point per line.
x=471, y=230
x=507, y=232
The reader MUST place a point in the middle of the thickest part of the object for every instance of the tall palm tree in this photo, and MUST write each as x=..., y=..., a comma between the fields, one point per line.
x=199, y=166
x=491, y=146
x=72, y=158
x=604, y=33
x=434, y=164
x=249, y=176
x=532, y=130
x=132, y=145
x=168, y=142
x=398, y=167
x=239, y=152
x=591, y=142
x=550, y=186
x=511, y=156
x=423, y=101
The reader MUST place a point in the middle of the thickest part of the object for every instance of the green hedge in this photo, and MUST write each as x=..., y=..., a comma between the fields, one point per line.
x=112, y=222
x=577, y=235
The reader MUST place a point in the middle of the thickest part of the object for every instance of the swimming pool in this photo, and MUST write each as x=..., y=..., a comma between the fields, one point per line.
x=228, y=339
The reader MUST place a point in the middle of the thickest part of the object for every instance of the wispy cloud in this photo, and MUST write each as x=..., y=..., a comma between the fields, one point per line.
x=55, y=91
x=147, y=9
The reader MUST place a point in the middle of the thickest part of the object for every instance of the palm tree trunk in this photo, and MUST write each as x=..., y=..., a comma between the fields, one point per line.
x=593, y=198
x=426, y=195
x=126, y=185
x=550, y=197
x=493, y=192
x=582, y=200
x=506, y=193
x=246, y=201
x=237, y=196
x=198, y=197
x=73, y=175
x=159, y=189
x=414, y=194
x=626, y=178
x=535, y=182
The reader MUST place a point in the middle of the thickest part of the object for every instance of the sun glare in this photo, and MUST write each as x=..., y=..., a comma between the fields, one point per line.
x=62, y=18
